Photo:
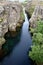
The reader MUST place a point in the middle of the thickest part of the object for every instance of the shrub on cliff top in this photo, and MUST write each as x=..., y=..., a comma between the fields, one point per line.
x=39, y=27
x=37, y=54
x=37, y=38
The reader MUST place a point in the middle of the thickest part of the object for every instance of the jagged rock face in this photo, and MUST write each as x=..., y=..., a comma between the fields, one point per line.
x=3, y=22
x=14, y=16
x=10, y=16
x=1, y=9
x=28, y=5
x=29, y=8
x=37, y=14
x=4, y=27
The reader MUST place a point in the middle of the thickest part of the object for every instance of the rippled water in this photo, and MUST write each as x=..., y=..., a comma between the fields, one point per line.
x=15, y=51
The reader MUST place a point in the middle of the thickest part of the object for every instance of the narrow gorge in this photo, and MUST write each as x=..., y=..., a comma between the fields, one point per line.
x=15, y=50
x=21, y=32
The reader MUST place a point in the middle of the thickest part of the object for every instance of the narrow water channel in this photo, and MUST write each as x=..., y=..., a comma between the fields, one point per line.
x=18, y=47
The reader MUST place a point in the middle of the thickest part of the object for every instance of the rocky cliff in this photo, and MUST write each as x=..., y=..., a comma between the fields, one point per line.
x=37, y=15
x=29, y=8
x=11, y=17
x=35, y=11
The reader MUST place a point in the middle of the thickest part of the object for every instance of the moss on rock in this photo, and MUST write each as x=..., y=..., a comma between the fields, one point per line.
x=2, y=41
x=31, y=10
x=1, y=20
x=22, y=16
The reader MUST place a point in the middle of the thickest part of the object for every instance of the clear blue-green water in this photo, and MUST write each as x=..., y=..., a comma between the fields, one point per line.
x=15, y=50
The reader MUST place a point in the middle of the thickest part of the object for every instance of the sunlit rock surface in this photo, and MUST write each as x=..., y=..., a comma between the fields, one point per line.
x=11, y=17
x=37, y=15
x=35, y=10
